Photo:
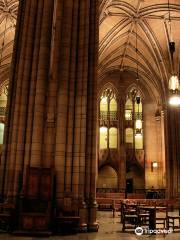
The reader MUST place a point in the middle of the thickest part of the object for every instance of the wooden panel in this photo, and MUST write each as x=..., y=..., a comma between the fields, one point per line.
x=46, y=183
x=35, y=205
x=40, y=223
x=32, y=187
x=27, y=222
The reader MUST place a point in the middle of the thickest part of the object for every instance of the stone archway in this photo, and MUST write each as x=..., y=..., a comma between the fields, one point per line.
x=107, y=178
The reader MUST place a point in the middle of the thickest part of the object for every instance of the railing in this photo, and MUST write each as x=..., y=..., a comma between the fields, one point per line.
x=110, y=190
x=104, y=115
x=112, y=115
x=138, y=115
x=149, y=193
x=129, y=116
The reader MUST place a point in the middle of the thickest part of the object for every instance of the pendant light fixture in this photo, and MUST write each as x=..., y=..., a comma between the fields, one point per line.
x=174, y=89
x=138, y=121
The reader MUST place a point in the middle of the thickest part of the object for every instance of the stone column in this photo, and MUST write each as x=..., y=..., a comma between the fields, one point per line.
x=159, y=170
x=122, y=145
x=75, y=150
x=53, y=101
x=173, y=146
x=27, y=92
x=163, y=155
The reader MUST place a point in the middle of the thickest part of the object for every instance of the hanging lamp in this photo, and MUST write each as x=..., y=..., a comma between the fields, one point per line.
x=174, y=88
x=138, y=121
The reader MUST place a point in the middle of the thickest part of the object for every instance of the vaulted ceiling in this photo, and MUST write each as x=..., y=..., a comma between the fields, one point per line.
x=123, y=25
x=145, y=24
x=8, y=14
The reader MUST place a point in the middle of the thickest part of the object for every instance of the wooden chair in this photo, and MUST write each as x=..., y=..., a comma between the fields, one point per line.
x=129, y=217
x=173, y=221
x=161, y=217
x=143, y=217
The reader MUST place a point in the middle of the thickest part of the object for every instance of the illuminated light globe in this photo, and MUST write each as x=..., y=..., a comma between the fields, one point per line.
x=174, y=83
x=155, y=164
x=138, y=124
x=174, y=98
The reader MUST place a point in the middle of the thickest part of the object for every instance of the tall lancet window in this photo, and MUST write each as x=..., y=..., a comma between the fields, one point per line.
x=134, y=120
x=108, y=134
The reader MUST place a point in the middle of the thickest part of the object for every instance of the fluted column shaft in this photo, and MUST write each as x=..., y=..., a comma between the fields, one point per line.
x=52, y=103
x=173, y=146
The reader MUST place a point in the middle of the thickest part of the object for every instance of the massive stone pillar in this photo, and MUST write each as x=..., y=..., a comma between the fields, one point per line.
x=52, y=100
x=173, y=151
x=160, y=155
x=75, y=148
x=27, y=94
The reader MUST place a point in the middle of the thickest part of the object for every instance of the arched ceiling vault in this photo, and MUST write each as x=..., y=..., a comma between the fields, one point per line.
x=8, y=15
x=122, y=21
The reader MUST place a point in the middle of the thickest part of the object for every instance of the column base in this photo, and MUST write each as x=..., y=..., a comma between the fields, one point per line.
x=83, y=228
x=93, y=227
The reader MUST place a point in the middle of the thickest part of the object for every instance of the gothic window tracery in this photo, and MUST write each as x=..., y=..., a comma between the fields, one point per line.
x=108, y=119
x=134, y=120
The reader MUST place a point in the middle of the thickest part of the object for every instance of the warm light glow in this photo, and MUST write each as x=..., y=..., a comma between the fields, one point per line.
x=128, y=114
x=103, y=137
x=1, y=132
x=154, y=164
x=104, y=100
x=174, y=83
x=138, y=139
x=113, y=105
x=129, y=104
x=138, y=130
x=113, y=137
x=174, y=100
x=138, y=107
x=104, y=104
x=129, y=135
x=103, y=129
x=138, y=124
x=138, y=134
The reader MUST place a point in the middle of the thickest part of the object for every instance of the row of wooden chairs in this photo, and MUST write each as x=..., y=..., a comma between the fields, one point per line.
x=133, y=216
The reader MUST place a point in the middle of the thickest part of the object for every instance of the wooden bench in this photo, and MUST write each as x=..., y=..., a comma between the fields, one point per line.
x=111, y=195
x=136, y=196
x=109, y=204
x=105, y=203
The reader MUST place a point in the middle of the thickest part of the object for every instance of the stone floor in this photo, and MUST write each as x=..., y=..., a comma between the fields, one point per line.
x=109, y=229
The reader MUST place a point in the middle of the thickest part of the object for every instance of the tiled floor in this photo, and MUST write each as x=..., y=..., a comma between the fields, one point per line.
x=109, y=229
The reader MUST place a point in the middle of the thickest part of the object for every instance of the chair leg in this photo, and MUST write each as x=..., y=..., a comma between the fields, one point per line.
x=114, y=212
x=123, y=228
x=173, y=225
x=167, y=223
